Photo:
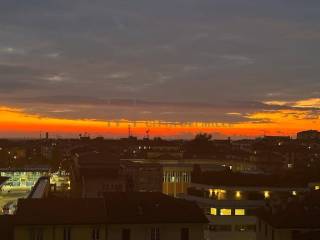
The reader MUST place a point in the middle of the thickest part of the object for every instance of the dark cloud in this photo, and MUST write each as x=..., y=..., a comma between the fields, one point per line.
x=182, y=55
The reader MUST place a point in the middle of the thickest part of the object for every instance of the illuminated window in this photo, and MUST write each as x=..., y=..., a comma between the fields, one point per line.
x=238, y=194
x=213, y=211
x=266, y=194
x=317, y=188
x=240, y=212
x=294, y=193
x=225, y=212
x=210, y=192
x=220, y=194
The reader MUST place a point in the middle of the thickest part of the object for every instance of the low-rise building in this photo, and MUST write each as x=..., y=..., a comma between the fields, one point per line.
x=164, y=152
x=24, y=178
x=230, y=200
x=117, y=216
x=143, y=177
x=93, y=173
x=296, y=218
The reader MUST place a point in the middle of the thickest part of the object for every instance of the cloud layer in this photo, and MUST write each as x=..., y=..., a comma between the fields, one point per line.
x=170, y=60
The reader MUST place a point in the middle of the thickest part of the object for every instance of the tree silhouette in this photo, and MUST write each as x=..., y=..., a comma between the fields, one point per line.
x=200, y=146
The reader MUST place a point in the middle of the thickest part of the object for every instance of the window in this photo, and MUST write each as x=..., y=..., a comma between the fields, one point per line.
x=185, y=234
x=37, y=234
x=225, y=212
x=266, y=230
x=66, y=234
x=155, y=234
x=213, y=211
x=272, y=234
x=240, y=212
x=95, y=234
x=126, y=233
x=220, y=228
x=266, y=194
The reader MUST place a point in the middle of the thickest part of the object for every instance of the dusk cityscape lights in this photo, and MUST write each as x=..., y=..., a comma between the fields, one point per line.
x=159, y=120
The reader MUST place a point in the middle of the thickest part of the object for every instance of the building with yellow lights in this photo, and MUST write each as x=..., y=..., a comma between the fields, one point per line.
x=176, y=174
x=297, y=219
x=22, y=178
x=230, y=201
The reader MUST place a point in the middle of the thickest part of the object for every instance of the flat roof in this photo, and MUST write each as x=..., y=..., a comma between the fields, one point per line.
x=26, y=169
x=114, y=208
x=298, y=213
x=232, y=179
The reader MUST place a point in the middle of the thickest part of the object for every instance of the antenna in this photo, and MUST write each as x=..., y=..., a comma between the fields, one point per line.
x=147, y=133
x=129, y=131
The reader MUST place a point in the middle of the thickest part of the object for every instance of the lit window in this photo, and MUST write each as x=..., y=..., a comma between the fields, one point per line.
x=238, y=194
x=225, y=212
x=240, y=212
x=294, y=193
x=317, y=188
x=210, y=192
x=213, y=211
x=266, y=194
x=220, y=194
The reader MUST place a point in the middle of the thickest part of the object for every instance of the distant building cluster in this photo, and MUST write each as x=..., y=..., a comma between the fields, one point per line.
x=131, y=189
x=310, y=135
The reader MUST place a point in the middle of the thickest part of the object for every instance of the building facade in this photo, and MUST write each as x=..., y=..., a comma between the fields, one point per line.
x=117, y=216
x=231, y=204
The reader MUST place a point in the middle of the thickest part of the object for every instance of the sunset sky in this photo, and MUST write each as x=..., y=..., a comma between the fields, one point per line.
x=238, y=68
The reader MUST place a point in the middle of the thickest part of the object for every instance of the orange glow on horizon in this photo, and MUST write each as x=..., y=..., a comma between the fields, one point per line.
x=280, y=122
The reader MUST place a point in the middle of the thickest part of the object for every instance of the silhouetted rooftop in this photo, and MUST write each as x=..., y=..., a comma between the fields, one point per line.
x=303, y=212
x=60, y=211
x=115, y=208
x=139, y=207
x=94, y=164
x=248, y=180
x=97, y=159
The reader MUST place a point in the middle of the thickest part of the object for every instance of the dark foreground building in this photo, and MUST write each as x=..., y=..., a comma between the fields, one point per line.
x=294, y=219
x=117, y=216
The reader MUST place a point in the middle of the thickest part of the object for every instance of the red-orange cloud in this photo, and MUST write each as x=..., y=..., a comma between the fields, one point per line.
x=15, y=121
